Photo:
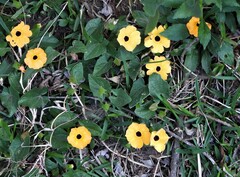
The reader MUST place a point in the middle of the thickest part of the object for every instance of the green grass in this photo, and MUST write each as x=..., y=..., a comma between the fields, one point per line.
x=90, y=80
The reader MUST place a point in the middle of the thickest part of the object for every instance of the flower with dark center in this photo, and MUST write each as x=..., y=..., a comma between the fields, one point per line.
x=156, y=138
x=159, y=65
x=35, y=58
x=157, y=38
x=79, y=137
x=129, y=37
x=19, y=36
x=156, y=41
x=193, y=25
x=18, y=33
x=159, y=140
x=126, y=38
x=138, y=135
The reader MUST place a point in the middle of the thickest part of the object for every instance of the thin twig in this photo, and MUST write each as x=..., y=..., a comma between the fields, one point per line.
x=174, y=159
x=199, y=165
x=155, y=171
x=207, y=155
x=129, y=159
x=215, y=119
x=54, y=20
x=79, y=100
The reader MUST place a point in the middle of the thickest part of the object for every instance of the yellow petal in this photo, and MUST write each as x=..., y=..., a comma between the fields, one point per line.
x=148, y=42
x=157, y=49
x=163, y=75
x=192, y=26
x=209, y=25
x=137, y=141
x=83, y=141
x=165, y=42
x=130, y=29
x=162, y=138
x=160, y=147
x=160, y=29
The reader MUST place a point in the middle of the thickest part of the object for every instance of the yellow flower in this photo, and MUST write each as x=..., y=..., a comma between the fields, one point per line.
x=79, y=137
x=137, y=135
x=129, y=37
x=35, y=58
x=160, y=66
x=156, y=41
x=19, y=36
x=159, y=140
x=193, y=26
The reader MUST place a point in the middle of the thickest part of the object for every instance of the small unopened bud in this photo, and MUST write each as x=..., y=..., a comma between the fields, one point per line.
x=22, y=69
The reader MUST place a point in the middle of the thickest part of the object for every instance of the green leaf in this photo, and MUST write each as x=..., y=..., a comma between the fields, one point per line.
x=94, y=50
x=158, y=87
x=77, y=172
x=238, y=17
x=144, y=112
x=235, y=98
x=9, y=99
x=124, y=55
x=76, y=73
x=17, y=150
x=188, y=8
x=204, y=34
x=152, y=23
x=4, y=26
x=121, y=98
x=77, y=47
x=63, y=118
x=51, y=54
x=50, y=41
x=33, y=172
x=206, y=61
x=99, y=86
x=138, y=92
x=92, y=25
x=232, y=3
x=140, y=17
x=133, y=68
x=151, y=6
x=59, y=138
x=231, y=22
x=94, y=30
x=95, y=129
x=226, y=54
x=5, y=68
x=172, y=3
x=34, y=98
x=176, y=32
x=218, y=3
x=192, y=60
x=5, y=133
x=4, y=50
x=13, y=80
x=102, y=65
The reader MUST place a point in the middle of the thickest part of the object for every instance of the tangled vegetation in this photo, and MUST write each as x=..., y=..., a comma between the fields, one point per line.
x=120, y=88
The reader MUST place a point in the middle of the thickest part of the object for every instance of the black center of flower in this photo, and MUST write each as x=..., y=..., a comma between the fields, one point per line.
x=35, y=57
x=158, y=68
x=157, y=38
x=156, y=138
x=18, y=33
x=126, y=38
x=198, y=24
x=79, y=136
x=138, y=133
